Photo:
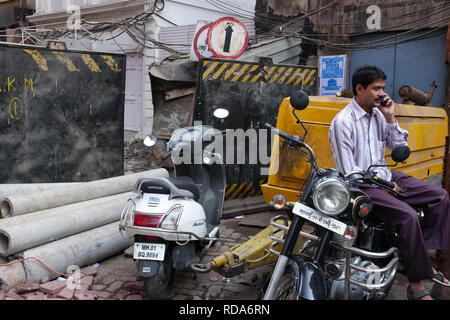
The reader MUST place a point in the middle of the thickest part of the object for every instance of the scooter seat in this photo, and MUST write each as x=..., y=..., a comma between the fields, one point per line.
x=186, y=183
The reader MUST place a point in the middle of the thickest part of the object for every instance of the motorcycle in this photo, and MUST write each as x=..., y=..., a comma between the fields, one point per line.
x=351, y=255
x=173, y=219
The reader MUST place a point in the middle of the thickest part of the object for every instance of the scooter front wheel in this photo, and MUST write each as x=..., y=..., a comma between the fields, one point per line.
x=157, y=286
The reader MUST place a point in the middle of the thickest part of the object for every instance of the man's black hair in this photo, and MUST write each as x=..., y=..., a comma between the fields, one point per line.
x=366, y=75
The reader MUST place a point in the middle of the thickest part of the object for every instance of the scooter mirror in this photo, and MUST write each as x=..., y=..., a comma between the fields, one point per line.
x=299, y=100
x=150, y=141
x=400, y=153
x=221, y=113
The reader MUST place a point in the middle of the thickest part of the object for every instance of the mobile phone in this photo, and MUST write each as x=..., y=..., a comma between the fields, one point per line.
x=384, y=102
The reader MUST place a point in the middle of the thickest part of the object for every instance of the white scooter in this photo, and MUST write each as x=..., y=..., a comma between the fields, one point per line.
x=173, y=219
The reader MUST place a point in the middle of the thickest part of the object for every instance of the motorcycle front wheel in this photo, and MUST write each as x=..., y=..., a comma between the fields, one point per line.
x=286, y=288
x=157, y=287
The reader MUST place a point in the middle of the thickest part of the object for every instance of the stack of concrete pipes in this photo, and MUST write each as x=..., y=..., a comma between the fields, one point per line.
x=61, y=225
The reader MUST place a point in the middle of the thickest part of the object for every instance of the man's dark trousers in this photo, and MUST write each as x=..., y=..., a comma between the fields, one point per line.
x=415, y=236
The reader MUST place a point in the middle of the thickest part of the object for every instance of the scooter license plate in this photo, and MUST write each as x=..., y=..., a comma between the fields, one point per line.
x=319, y=218
x=149, y=251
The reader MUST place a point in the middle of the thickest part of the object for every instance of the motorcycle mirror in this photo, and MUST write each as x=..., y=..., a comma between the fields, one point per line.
x=221, y=113
x=400, y=153
x=299, y=100
x=150, y=141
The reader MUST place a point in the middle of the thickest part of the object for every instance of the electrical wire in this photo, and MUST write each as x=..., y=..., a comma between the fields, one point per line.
x=131, y=25
x=441, y=7
x=36, y=259
x=367, y=45
x=227, y=7
x=446, y=5
x=276, y=21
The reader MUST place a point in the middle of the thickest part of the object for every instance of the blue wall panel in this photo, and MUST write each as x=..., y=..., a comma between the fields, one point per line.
x=416, y=63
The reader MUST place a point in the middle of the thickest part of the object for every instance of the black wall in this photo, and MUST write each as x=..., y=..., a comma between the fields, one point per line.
x=252, y=93
x=61, y=115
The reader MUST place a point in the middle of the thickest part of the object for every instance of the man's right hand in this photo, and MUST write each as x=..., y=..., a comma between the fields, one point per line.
x=388, y=110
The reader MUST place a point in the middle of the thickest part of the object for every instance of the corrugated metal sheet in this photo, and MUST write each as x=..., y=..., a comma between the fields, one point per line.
x=282, y=51
x=56, y=5
x=133, y=93
x=249, y=25
x=178, y=38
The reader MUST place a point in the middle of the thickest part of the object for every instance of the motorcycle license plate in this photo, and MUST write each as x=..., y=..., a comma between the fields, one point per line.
x=319, y=218
x=149, y=251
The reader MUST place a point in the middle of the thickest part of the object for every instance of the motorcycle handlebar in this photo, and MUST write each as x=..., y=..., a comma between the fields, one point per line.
x=371, y=177
x=280, y=133
x=297, y=142
x=385, y=183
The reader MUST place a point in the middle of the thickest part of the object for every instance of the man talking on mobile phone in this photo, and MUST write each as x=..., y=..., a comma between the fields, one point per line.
x=359, y=135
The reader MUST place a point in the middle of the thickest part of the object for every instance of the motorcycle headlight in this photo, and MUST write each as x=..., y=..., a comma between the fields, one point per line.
x=170, y=220
x=331, y=197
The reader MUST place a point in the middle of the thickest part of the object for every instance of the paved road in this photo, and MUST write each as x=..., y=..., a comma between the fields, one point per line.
x=120, y=273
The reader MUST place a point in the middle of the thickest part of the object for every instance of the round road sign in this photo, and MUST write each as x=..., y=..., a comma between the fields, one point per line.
x=227, y=38
x=200, y=44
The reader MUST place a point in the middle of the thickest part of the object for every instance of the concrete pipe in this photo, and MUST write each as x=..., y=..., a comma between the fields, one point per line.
x=20, y=204
x=8, y=189
x=80, y=250
x=11, y=276
x=34, y=229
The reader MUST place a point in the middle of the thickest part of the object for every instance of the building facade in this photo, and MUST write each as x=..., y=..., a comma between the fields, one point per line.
x=147, y=31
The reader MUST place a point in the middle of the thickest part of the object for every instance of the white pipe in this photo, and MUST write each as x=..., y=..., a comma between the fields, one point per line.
x=27, y=231
x=11, y=276
x=20, y=204
x=7, y=189
x=80, y=250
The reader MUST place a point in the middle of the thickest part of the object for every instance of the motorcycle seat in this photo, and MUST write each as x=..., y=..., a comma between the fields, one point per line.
x=186, y=183
x=175, y=187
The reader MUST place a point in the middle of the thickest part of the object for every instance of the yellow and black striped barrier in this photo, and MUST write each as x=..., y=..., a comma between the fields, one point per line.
x=67, y=59
x=243, y=190
x=253, y=73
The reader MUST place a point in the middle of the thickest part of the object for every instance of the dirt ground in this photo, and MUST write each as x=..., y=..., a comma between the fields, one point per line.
x=138, y=157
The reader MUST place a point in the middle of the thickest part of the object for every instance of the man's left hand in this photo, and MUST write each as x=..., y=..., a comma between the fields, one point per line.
x=396, y=187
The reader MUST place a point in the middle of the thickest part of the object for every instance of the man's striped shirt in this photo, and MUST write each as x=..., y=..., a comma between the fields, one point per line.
x=359, y=139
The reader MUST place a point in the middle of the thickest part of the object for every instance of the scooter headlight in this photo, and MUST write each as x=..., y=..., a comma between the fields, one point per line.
x=170, y=219
x=331, y=196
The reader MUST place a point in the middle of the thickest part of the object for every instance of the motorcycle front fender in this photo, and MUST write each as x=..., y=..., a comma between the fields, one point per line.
x=311, y=281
